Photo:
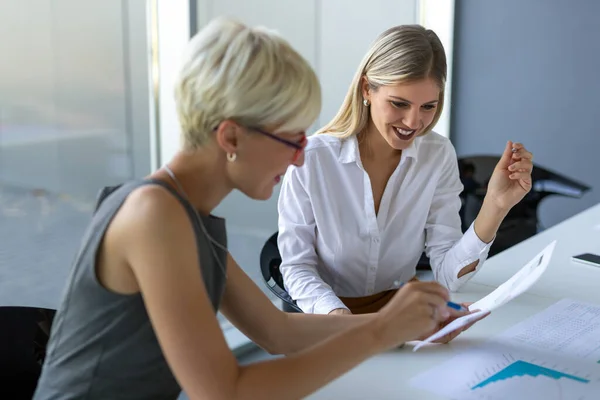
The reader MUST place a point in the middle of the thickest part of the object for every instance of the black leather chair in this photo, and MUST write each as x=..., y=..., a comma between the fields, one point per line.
x=270, y=260
x=23, y=338
x=522, y=221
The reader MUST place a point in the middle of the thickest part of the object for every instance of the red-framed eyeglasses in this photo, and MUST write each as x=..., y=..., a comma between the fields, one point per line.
x=299, y=145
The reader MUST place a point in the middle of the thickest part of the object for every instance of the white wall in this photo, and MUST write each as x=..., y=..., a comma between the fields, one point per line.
x=333, y=35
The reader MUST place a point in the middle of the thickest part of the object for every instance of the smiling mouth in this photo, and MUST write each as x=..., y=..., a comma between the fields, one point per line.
x=404, y=134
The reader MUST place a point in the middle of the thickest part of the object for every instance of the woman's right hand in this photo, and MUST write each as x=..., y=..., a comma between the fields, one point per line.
x=416, y=309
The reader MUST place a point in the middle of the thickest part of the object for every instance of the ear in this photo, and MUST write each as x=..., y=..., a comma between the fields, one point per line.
x=227, y=136
x=365, y=87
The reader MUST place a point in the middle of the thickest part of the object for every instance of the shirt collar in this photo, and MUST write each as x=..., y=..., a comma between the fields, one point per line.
x=349, y=150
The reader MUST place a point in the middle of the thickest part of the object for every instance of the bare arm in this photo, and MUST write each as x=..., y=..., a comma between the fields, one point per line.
x=277, y=332
x=162, y=254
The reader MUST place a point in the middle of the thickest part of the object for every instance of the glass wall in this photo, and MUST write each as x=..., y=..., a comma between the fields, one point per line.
x=73, y=118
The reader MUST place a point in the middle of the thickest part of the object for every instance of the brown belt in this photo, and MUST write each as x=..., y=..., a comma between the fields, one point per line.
x=369, y=304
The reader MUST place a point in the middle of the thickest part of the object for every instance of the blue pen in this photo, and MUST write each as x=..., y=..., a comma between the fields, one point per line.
x=450, y=304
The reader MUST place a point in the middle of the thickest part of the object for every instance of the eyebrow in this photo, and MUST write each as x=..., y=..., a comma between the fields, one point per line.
x=410, y=102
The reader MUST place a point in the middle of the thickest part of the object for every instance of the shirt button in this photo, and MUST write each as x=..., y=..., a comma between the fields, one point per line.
x=375, y=240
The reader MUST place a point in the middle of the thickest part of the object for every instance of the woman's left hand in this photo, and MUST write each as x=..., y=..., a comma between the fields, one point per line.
x=454, y=315
x=511, y=179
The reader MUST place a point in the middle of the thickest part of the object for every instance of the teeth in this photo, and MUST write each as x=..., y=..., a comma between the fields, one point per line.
x=405, y=133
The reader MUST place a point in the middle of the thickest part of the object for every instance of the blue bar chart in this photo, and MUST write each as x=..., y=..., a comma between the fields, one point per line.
x=523, y=368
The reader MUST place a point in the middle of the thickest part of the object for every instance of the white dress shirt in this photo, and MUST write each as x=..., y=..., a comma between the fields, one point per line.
x=333, y=244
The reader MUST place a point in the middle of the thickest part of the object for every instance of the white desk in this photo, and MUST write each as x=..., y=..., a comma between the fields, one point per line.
x=387, y=376
x=563, y=278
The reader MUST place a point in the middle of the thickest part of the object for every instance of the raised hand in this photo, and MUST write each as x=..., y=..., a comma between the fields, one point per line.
x=511, y=179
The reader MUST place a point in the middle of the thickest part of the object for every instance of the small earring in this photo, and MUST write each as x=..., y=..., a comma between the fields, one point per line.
x=366, y=103
x=231, y=157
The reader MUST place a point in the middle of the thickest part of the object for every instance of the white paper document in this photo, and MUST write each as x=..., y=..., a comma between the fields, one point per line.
x=516, y=285
x=552, y=355
x=451, y=327
x=568, y=327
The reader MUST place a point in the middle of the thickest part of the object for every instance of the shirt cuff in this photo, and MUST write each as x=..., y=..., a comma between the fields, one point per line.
x=324, y=304
x=471, y=249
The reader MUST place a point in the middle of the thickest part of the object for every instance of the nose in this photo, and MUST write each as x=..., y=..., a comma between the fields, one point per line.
x=299, y=160
x=412, y=118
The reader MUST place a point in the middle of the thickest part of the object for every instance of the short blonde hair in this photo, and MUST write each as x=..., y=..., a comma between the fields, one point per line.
x=249, y=75
x=404, y=53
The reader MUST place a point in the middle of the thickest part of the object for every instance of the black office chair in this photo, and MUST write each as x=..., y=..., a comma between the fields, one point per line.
x=522, y=221
x=270, y=260
x=23, y=339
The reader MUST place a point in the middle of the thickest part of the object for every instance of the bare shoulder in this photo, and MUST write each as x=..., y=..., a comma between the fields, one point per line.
x=151, y=219
x=153, y=204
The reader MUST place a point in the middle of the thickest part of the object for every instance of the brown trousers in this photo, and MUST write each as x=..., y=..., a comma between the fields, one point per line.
x=369, y=304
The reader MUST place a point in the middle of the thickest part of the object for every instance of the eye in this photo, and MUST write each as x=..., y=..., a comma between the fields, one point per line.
x=429, y=107
x=399, y=104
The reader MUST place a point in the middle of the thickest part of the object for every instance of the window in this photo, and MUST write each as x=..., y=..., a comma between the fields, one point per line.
x=73, y=118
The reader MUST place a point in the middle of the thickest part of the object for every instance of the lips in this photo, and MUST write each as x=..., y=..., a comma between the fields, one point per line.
x=404, y=134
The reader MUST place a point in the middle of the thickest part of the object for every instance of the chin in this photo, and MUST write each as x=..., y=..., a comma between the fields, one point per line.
x=398, y=144
x=260, y=193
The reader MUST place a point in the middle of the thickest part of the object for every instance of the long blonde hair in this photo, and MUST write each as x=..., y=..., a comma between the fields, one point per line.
x=401, y=54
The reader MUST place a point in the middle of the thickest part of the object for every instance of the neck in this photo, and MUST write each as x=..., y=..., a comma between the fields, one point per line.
x=373, y=146
x=202, y=175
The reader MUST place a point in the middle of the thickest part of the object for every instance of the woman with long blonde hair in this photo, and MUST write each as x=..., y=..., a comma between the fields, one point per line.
x=379, y=187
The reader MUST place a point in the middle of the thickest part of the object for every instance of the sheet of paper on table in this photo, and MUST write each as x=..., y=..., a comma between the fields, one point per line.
x=554, y=354
x=516, y=285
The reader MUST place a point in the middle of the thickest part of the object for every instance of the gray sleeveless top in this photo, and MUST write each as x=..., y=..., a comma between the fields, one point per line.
x=102, y=344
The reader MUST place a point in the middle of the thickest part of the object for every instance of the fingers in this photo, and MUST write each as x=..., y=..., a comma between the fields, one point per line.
x=433, y=288
x=521, y=176
x=520, y=152
x=521, y=166
x=452, y=335
x=506, y=158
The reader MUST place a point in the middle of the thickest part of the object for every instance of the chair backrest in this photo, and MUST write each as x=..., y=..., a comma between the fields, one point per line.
x=270, y=260
x=522, y=220
x=23, y=338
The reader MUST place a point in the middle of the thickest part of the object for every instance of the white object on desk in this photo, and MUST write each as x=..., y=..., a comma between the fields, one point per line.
x=552, y=355
x=568, y=327
x=516, y=285
x=563, y=278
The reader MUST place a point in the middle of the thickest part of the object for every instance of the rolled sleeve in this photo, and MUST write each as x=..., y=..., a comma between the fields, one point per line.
x=324, y=304
x=467, y=250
